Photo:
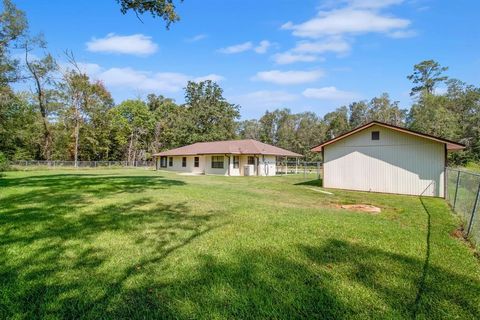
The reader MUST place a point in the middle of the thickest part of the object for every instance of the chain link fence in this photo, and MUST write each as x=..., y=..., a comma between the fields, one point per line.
x=307, y=170
x=463, y=194
x=81, y=164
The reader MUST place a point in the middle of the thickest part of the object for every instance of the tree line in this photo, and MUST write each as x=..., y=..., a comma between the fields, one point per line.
x=68, y=116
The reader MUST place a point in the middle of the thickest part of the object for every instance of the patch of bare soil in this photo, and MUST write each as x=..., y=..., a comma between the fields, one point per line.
x=361, y=207
x=458, y=233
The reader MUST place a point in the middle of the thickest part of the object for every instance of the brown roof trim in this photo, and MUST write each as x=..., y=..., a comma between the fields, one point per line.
x=451, y=145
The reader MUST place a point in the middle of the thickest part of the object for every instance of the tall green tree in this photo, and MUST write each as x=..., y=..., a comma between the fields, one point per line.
x=13, y=25
x=208, y=115
x=133, y=123
x=359, y=114
x=269, y=127
x=337, y=122
x=249, y=129
x=464, y=102
x=81, y=99
x=41, y=71
x=311, y=130
x=167, y=115
x=20, y=128
x=164, y=9
x=432, y=115
x=426, y=75
x=384, y=110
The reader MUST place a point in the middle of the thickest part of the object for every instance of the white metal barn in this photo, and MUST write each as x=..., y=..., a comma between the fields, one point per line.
x=231, y=158
x=379, y=157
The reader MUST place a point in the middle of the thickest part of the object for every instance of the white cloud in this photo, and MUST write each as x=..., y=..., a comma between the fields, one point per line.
x=263, y=46
x=288, y=57
x=329, y=93
x=373, y=4
x=213, y=77
x=197, y=37
x=88, y=68
x=307, y=51
x=237, y=48
x=144, y=81
x=336, y=45
x=346, y=21
x=288, y=77
x=334, y=29
x=136, y=44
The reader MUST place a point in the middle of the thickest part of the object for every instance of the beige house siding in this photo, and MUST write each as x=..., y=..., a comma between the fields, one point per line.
x=177, y=164
x=216, y=171
x=397, y=163
x=266, y=165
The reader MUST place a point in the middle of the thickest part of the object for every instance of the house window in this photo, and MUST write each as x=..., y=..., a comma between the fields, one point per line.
x=196, y=162
x=236, y=162
x=217, y=162
x=251, y=160
x=375, y=135
x=184, y=162
x=170, y=161
x=163, y=162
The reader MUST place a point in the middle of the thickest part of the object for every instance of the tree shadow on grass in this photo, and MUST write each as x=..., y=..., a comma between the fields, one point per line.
x=52, y=262
x=406, y=286
x=92, y=183
x=66, y=272
x=255, y=284
x=312, y=183
x=124, y=260
x=52, y=198
x=324, y=284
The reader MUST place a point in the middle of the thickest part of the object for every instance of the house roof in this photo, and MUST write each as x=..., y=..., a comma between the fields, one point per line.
x=451, y=145
x=248, y=146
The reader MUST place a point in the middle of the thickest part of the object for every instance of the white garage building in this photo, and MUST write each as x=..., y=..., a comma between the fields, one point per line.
x=231, y=158
x=379, y=157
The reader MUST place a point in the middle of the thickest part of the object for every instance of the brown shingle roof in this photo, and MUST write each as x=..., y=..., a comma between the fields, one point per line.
x=248, y=146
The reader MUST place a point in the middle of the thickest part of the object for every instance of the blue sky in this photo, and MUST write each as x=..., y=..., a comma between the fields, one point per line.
x=304, y=55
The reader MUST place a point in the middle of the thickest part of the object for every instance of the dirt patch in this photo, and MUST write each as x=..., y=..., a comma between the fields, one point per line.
x=361, y=207
x=458, y=233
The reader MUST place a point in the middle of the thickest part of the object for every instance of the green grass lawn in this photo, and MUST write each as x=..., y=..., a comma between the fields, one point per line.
x=144, y=244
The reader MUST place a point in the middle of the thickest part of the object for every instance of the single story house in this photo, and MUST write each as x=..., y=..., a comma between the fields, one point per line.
x=380, y=157
x=231, y=158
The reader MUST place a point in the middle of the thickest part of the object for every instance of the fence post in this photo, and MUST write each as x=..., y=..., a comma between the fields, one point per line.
x=456, y=190
x=318, y=170
x=474, y=211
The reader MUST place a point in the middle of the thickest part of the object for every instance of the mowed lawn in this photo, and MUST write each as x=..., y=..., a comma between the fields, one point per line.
x=136, y=243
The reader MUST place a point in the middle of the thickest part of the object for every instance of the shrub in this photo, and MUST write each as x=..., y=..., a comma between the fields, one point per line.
x=3, y=162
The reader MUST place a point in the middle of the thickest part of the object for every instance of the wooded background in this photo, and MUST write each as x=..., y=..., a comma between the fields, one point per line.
x=67, y=116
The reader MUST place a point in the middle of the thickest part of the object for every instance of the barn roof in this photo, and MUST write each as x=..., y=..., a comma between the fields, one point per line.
x=248, y=146
x=451, y=145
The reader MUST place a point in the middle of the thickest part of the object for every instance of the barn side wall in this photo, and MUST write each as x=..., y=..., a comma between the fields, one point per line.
x=396, y=163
